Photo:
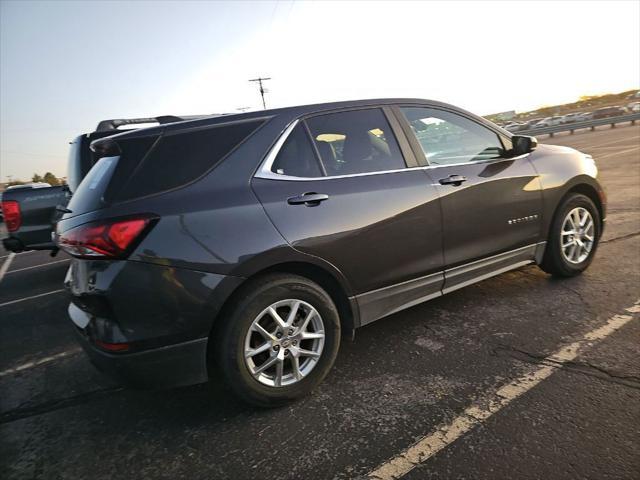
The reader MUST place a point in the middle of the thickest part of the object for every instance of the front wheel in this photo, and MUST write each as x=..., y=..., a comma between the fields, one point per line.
x=279, y=341
x=573, y=237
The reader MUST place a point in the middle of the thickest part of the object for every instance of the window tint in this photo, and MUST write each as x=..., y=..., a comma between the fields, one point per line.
x=448, y=138
x=358, y=141
x=133, y=150
x=183, y=157
x=88, y=194
x=296, y=157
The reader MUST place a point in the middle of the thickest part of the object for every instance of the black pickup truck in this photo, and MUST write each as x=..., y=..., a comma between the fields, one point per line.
x=30, y=212
x=28, y=215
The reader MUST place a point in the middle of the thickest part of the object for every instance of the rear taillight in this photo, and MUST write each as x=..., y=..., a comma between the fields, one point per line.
x=109, y=239
x=112, y=347
x=12, y=215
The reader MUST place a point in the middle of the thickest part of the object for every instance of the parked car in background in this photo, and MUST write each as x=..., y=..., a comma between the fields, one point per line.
x=514, y=127
x=606, y=112
x=529, y=124
x=30, y=215
x=570, y=117
x=28, y=185
x=633, y=107
x=584, y=116
x=549, y=122
x=23, y=186
x=246, y=244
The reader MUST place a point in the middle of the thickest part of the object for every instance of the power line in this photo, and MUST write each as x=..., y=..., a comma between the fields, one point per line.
x=262, y=89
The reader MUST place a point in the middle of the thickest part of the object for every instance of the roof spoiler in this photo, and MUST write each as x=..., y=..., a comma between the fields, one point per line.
x=108, y=125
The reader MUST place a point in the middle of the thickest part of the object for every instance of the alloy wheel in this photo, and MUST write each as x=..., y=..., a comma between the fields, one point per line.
x=284, y=343
x=577, y=235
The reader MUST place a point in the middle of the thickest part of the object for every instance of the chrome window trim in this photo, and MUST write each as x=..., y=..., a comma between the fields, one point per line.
x=489, y=160
x=265, y=169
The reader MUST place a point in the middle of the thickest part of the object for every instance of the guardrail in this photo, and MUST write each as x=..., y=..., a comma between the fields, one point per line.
x=571, y=127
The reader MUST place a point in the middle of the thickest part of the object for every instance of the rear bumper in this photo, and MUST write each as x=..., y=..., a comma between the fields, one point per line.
x=164, y=367
x=12, y=244
x=163, y=316
x=16, y=245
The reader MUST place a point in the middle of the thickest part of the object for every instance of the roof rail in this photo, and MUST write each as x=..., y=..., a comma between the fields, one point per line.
x=107, y=125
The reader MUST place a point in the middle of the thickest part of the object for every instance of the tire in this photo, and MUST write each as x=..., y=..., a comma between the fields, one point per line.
x=234, y=337
x=555, y=261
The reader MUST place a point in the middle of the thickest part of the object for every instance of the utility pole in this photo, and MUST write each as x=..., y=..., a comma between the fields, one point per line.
x=262, y=89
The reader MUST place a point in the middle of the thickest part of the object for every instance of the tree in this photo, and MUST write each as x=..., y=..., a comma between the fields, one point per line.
x=51, y=179
x=36, y=178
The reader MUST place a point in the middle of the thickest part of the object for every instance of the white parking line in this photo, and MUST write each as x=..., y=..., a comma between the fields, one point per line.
x=36, y=363
x=19, y=253
x=36, y=266
x=5, y=265
x=599, y=157
x=609, y=148
x=474, y=415
x=32, y=297
x=622, y=140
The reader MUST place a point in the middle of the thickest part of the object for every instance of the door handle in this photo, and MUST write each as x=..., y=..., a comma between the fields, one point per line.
x=310, y=199
x=455, y=180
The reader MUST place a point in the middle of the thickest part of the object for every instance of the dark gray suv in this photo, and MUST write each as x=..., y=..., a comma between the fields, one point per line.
x=250, y=242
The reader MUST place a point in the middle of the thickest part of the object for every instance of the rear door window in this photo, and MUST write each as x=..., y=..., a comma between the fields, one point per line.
x=357, y=141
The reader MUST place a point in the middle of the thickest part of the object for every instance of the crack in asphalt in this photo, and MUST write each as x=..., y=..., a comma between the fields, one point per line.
x=621, y=237
x=585, y=368
x=52, y=405
x=577, y=293
x=623, y=209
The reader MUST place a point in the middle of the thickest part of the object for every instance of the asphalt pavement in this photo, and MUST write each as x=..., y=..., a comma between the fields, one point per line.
x=520, y=376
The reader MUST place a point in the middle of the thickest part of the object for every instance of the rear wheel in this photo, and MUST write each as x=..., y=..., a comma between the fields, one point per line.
x=573, y=237
x=279, y=341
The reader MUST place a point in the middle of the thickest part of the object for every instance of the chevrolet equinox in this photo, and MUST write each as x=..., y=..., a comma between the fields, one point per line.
x=250, y=242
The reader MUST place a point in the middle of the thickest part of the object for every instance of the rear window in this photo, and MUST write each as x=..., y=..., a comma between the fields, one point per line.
x=133, y=151
x=89, y=193
x=175, y=159
x=81, y=158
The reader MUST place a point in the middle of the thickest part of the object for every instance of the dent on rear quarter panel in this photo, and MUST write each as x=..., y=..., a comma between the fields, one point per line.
x=148, y=302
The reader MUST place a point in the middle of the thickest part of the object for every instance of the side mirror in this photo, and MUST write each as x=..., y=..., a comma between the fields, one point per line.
x=523, y=144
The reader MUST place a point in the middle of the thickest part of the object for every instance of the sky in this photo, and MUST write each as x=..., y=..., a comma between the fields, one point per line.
x=64, y=66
